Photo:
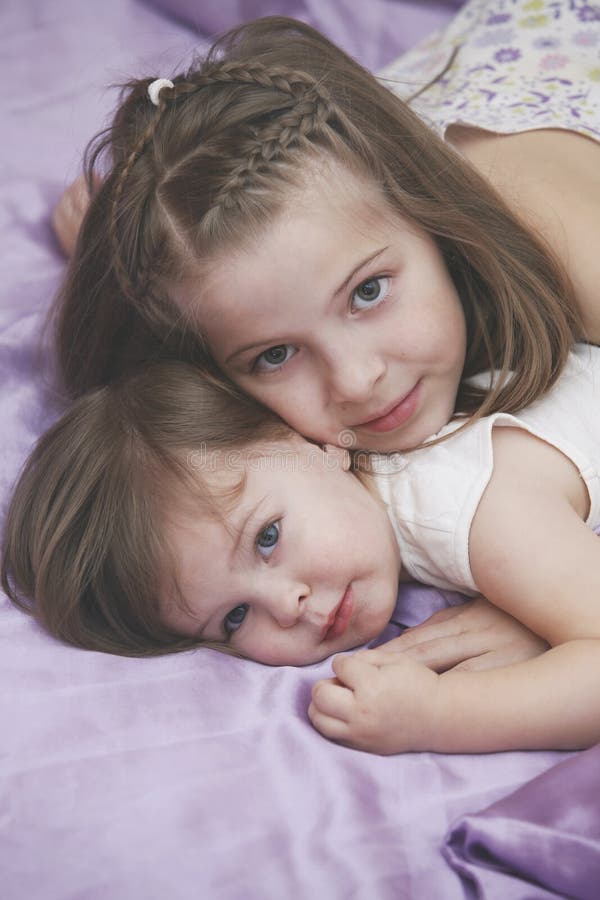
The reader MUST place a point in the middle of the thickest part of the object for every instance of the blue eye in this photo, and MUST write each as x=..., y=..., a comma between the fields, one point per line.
x=370, y=293
x=234, y=619
x=273, y=358
x=267, y=538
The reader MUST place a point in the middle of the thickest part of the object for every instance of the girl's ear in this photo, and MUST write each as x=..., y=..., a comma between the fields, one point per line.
x=339, y=456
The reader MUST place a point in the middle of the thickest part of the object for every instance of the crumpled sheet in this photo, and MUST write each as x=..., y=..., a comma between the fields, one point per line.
x=546, y=834
x=199, y=775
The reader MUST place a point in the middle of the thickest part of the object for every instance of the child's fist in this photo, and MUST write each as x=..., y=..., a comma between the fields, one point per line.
x=379, y=702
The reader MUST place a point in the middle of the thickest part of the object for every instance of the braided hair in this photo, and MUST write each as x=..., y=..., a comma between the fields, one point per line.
x=212, y=164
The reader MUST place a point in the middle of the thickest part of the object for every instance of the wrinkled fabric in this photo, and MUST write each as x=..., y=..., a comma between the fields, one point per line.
x=373, y=32
x=545, y=835
x=195, y=775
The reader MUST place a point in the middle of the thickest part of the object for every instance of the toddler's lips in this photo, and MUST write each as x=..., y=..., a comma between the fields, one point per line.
x=397, y=415
x=339, y=618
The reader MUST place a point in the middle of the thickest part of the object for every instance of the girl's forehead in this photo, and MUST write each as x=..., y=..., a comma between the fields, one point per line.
x=227, y=484
x=224, y=473
x=320, y=231
x=331, y=189
x=325, y=188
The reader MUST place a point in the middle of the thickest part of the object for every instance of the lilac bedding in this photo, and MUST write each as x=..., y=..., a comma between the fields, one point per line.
x=199, y=775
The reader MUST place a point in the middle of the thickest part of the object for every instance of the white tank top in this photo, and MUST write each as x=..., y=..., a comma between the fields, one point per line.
x=432, y=494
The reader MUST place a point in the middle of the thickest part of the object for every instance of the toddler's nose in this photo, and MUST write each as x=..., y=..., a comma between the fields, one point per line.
x=286, y=603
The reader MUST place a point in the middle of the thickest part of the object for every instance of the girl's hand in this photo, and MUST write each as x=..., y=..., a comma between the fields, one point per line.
x=473, y=636
x=68, y=214
x=379, y=702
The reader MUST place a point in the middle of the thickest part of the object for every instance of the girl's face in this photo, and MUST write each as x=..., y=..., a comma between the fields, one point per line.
x=341, y=317
x=305, y=565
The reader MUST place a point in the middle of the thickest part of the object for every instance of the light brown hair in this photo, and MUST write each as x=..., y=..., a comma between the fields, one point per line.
x=85, y=548
x=213, y=163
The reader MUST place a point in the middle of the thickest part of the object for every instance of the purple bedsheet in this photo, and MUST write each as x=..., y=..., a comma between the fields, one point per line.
x=199, y=775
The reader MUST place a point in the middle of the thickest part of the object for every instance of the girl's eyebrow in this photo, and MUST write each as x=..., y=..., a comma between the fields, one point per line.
x=336, y=293
x=365, y=262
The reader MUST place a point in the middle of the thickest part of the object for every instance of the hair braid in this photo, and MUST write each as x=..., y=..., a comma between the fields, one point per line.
x=306, y=112
x=280, y=78
x=310, y=111
x=291, y=129
x=129, y=277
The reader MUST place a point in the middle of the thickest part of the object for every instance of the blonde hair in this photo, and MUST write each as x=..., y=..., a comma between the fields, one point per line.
x=213, y=164
x=85, y=549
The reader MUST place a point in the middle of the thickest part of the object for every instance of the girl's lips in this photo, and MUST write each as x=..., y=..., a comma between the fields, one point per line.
x=340, y=617
x=398, y=415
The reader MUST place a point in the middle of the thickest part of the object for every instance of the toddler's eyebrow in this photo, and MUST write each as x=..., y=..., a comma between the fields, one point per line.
x=241, y=531
x=273, y=341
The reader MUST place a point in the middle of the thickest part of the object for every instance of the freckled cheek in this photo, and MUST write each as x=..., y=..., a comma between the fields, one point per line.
x=300, y=403
x=441, y=332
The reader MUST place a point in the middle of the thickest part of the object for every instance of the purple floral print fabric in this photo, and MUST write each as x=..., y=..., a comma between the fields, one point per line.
x=508, y=66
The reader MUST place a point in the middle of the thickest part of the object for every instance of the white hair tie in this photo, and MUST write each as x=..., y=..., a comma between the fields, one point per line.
x=156, y=87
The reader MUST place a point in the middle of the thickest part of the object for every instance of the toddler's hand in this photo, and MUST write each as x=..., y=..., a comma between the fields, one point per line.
x=68, y=214
x=379, y=702
x=473, y=636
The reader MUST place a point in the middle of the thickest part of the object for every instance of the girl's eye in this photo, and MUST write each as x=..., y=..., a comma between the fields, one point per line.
x=274, y=357
x=370, y=293
x=266, y=540
x=234, y=619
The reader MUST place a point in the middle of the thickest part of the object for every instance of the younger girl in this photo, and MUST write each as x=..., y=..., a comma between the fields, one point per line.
x=149, y=514
x=162, y=511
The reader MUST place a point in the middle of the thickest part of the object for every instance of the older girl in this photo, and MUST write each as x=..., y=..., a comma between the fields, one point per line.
x=279, y=216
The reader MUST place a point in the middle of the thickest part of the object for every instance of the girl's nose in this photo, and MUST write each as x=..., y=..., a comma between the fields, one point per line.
x=353, y=375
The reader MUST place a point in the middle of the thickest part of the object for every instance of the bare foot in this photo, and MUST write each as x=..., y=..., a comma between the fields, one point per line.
x=68, y=214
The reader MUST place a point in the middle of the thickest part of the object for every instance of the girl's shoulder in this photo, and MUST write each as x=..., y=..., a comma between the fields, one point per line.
x=432, y=494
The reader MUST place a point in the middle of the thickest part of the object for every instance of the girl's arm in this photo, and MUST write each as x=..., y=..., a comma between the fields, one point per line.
x=531, y=554
x=471, y=636
x=385, y=705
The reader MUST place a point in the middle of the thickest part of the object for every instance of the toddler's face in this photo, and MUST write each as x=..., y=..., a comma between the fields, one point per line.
x=305, y=565
x=340, y=317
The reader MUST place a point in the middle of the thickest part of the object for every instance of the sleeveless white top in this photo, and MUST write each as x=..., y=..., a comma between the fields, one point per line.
x=520, y=65
x=432, y=494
